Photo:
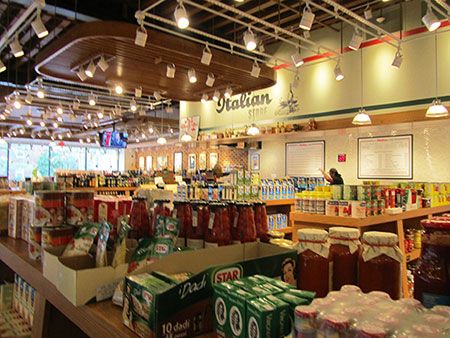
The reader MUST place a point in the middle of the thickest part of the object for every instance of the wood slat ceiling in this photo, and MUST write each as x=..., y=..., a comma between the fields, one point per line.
x=135, y=66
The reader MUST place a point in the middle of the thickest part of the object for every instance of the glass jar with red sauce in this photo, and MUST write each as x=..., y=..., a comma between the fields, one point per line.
x=262, y=228
x=344, y=251
x=380, y=263
x=335, y=326
x=195, y=231
x=371, y=331
x=432, y=275
x=314, y=261
x=244, y=229
x=160, y=207
x=139, y=218
x=218, y=229
x=182, y=210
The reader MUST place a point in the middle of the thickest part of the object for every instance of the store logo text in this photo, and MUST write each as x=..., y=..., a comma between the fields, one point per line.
x=246, y=100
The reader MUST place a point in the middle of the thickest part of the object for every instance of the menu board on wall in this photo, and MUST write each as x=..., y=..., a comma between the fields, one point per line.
x=305, y=158
x=389, y=157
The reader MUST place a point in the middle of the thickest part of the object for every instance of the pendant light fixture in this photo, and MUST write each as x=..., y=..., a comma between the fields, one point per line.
x=250, y=39
x=253, y=130
x=204, y=98
x=181, y=16
x=186, y=138
x=307, y=18
x=437, y=109
x=398, y=59
x=430, y=20
x=362, y=118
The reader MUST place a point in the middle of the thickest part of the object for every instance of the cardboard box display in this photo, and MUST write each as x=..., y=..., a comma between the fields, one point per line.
x=222, y=306
x=77, y=278
x=260, y=320
x=237, y=314
x=281, y=315
x=191, y=310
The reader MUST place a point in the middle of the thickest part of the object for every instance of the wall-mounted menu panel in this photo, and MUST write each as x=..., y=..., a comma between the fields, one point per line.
x=305, y=158
x=388, y=157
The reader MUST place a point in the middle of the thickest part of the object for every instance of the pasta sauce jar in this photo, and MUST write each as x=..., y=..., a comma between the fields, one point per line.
x=380, y=263
x=244, y=229
x=195, y=230
x=160, y=207
x=432, y=276
x=314, y=261
x=344, y=251
x=139, y=218
x=262, y=228
x=183, y=211
x=217, y=232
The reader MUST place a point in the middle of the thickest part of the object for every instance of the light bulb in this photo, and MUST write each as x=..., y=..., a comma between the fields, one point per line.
x=42, y=124
x=29, y=122
x=181, y=16
x=228, y=92
x=60, y=110
x=55, y=125
x=17, y=104
x=21, y=131
x=40, y=93
x=90, y=70
x=204, y=98
x=91, y=99
x=216, y=95
x=59, y=118
x=133, y=105
x=192, y=76
x=118, y=89
x=161, y=140
x=249, y=40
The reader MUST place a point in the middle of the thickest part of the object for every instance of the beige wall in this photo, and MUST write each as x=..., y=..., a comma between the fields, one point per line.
x=431, y=150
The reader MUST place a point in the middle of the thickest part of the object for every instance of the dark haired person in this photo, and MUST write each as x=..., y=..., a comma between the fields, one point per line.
x=333, y=176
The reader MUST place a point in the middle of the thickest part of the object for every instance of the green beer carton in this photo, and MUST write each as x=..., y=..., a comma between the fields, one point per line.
x=281, y=315
x=261, y=319
x=222, y=307
x=237, y=314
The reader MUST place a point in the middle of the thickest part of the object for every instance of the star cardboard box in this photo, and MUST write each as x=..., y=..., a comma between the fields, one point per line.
x=157, y=305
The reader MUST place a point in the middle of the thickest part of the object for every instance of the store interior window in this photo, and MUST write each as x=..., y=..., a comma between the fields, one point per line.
x=28, y=160
x=70, y=158
x=3, y=159
x=102, y=159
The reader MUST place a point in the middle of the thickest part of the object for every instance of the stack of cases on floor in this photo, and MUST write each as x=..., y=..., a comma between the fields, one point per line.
x=17, y=308
x=256, y=306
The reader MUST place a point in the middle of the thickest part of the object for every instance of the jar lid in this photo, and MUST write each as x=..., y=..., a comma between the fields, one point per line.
x=435, y=319
x=379, y=294
x=161, y=201
x=411, y=302
x=138, y=198
x=442, y=309
x=306, y=311
x=312, y=234
x=275, y=234
x=337, y=321
x=343, y=232
x=372, y=331
x=426, y=330
x=380, y=237
x=350, y=288
x=436, y=223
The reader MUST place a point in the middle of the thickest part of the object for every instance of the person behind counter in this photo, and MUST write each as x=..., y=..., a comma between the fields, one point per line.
x=333, y=176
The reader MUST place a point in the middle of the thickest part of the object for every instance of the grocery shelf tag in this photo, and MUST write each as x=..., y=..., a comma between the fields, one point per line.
x=194, y=219
x=235, y=220
x=211, y=221
x=175, y=213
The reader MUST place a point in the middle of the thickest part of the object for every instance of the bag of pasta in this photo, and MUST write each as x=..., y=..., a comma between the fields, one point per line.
x=82, y=242
x=121, y=244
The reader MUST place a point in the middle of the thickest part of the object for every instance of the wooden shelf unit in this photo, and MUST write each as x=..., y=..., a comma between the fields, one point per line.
x=391, y=223
x=285, y=206
x=128, y=190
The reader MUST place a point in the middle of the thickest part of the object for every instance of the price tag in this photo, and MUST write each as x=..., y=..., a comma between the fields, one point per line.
x=211, y=221
x=194, y=219
x=236, y=220
x=175, y=212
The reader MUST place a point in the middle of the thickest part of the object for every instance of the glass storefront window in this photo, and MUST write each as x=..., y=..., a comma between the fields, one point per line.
x=27, y=160
x=102, y=159
x=4, y=159
x=70, y=158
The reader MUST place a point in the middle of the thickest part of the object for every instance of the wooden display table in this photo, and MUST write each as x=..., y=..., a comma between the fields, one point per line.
x=391, y=223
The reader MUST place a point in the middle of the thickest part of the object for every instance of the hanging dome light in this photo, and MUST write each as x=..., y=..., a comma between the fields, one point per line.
x=437, y=109
x=161, y=140
x=186, y=138
x=362, y=118
x=253, y=130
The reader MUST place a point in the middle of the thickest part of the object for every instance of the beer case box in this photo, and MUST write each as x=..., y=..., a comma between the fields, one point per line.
x=284, y=191
x=77, y=278
x=260, y=321
x=247, y=177
x=270, y=222
x=191, y=310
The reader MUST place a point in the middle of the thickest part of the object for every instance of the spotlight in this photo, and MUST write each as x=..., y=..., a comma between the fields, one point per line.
x=170, y=73
x=76, y=104
x=95, y=124
x=92, y=100
x=55, y=125
x=40, y=92
x=204, y=98
x=249, y=39
x=356, y=41
x=296, y=81
x=368, y=13
x=59, y=109
x=90, y=70
x=181, y=16
x=138, y=92
x=16, y=48
x=60, y=136
x=141, y=36
x=186, y=138
x=297, y=59
x=437, y=109
x=102, y=64
x=338, y=72
x=89, y=117
x=38, y=26
x=2, y=117
x=81, y=140
x=161, y=140
x=362, y=118
x=192, y=76
x=59, y=118
x=2, y=66
x=150, y=130
x=157, y=95
x=255, y=70
x=88, y=140
x=430, y=20
x=21, y=131
x=118, y=89
x=28, y=98
x=14, y=133
x=69, y=133
x=210, y=80
x=133, y=105
x=228, y=92
x=307, y=19
x=398, y=59
x=169, y=109
x=206, y=56
x=81, y=74
x=100, y=115
x=216, y=95
x=137, y=140
x=16, y=103
x=8, y=135
x=42, y=124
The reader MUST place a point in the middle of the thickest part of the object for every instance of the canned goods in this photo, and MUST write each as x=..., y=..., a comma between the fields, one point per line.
x=56, y=236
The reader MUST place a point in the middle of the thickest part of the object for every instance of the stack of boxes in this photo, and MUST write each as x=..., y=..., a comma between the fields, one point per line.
x=277, y=189
x=277, y=221
x=256, y=306
x=24, y=299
